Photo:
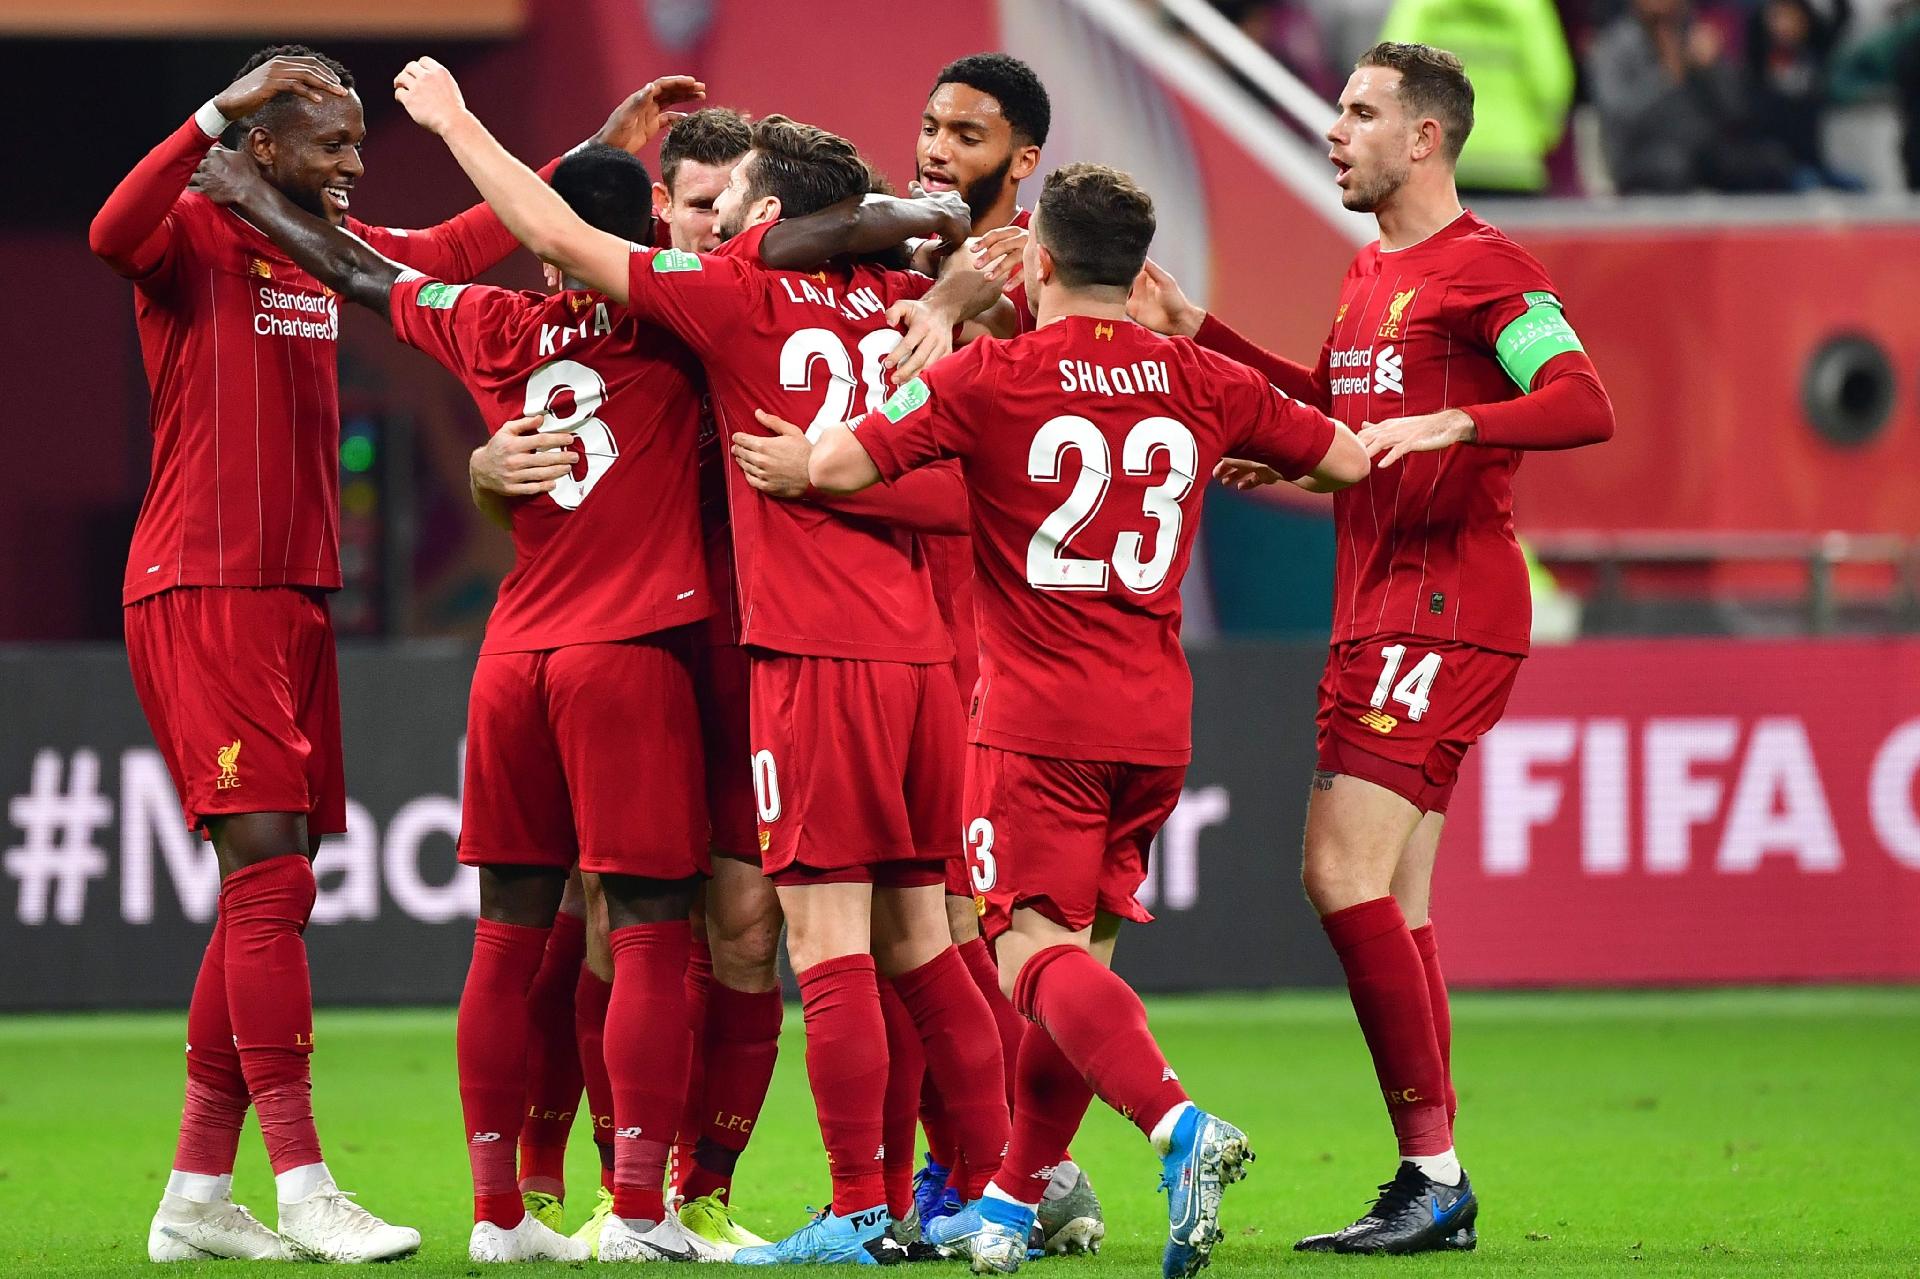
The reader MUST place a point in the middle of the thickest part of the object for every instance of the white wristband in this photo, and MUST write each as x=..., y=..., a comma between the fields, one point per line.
x=211, y=122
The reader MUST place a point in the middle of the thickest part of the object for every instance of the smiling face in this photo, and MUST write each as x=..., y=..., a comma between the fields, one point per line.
x=1373, y=140
x=967, y=145
x=311, y=152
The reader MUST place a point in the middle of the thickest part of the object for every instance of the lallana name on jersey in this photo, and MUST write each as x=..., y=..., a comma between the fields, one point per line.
x=314, y=315
x=856, y=306
x=1138, y=378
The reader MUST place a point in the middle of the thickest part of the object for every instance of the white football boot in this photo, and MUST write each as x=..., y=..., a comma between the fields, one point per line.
x=666, y=1241
x=329, y=1226
x=189, y=1230
x=531, y=1240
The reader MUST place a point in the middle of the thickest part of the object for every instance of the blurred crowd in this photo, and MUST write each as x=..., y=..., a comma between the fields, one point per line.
x=1645, y=96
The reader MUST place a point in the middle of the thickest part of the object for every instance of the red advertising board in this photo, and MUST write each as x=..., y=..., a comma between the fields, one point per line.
x=1680, y=811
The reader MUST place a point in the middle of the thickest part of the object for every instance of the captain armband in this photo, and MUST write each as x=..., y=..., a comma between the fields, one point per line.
x=1535, y=336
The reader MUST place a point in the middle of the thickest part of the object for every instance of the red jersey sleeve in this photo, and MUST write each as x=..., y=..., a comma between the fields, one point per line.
x=461, y=248
x=932, y=500
x=1297, y=380
x=1283, y=433
x=1511, y=310
x=459, y=325
x=931, y=417
x=138, y=231
x=695, y=296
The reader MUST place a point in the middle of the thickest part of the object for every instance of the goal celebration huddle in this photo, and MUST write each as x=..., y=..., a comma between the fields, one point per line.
x=849, y=533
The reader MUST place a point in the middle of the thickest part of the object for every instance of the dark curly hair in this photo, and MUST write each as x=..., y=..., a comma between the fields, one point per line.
x=1011, y=83
x=274, y=113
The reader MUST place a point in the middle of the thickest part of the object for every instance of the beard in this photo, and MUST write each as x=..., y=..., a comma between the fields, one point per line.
x=984, y=191
x=1368, y=197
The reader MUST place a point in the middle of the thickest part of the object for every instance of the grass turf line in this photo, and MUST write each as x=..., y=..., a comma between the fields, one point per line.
x=1717, y=1133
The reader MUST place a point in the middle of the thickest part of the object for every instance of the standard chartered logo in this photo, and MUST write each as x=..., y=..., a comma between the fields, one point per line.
x=1386, y=371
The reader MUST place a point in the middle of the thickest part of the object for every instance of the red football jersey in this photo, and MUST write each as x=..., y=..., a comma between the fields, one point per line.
x=614, y=551
x=1018, y=293
x=1426, y=547
x=240, y=352
x=808, y=347
x=1086, y=447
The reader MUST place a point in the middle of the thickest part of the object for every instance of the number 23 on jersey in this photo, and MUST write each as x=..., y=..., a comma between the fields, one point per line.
x=1151, y=443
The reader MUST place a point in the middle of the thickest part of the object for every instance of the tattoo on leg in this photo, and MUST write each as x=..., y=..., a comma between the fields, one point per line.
x=1322, y=779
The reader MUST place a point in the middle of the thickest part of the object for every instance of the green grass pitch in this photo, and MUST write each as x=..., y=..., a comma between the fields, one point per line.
x=1729, y=1133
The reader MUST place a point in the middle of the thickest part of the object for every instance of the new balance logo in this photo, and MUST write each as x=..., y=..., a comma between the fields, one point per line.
x=1386, y=371
x=1166, y=1073
x=881, y=1154
x=481, y=1138
x=628, y=1134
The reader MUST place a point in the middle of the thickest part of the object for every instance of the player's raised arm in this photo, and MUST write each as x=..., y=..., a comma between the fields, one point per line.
x=536, y=215
x=475, y=241
x=862, y=226
x=1158, y=301
x=131, y=231
x=341, y=261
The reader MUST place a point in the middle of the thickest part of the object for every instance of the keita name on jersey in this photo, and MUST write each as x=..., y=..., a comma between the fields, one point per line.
x=596, y=324
x=1107, y=379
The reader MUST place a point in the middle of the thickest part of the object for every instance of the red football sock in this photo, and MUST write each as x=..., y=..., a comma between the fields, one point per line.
x=1388, y=986
x=693, y=1110
x=1050, y=1100
x=906, y=1068
x=963, y=1055
x=590, y=999
x=847, y=1068
x=1429, y=947
x=933, y=1118
x=216, y=1100
x=648, y=1044
x=1006, y=1019
x=490, y=1044
x=1100, y=1026
x=553, y=1059
x=743, y=1041
x=270, y=1000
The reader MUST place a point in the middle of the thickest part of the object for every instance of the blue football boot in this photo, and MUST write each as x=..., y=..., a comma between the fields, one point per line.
x=1206, y=1155
x=859, y=1238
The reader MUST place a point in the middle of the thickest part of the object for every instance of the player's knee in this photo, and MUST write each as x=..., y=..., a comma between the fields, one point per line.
x=632, y=900
x=745, y=951
x=963, y=919
x=245, y=839
x=1331, y=883
x=526, y=896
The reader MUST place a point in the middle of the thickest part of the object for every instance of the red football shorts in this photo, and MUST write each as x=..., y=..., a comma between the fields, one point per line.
x=854, y=762
x=1065, y=837
x=240, y=688
x=592, y=750
x=720, y=686
x=1400, y=711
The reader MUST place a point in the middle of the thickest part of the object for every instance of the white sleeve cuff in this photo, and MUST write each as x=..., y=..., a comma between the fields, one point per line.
x=211, y=122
